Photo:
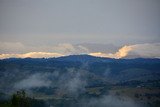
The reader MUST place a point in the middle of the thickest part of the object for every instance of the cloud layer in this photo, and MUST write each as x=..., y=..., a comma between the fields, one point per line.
x=134, y=51
x=31, y=55
x=147, y=50
x=122, y=52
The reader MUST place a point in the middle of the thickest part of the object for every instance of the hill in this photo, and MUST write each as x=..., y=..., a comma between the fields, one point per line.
x=66, y=79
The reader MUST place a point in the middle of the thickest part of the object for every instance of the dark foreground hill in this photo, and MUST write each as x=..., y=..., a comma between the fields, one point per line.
x=75, y=79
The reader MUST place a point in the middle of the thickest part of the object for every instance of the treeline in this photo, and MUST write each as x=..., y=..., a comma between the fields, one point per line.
x=20, y=99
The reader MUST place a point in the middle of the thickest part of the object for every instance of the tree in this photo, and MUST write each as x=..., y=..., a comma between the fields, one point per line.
x=20, y=100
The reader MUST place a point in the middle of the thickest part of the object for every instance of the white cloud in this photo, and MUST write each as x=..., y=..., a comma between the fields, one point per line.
x=129, y=51
x=122, y=52
x=145, y=50
x=134, y=51
x=32, y=55
x=35, y=80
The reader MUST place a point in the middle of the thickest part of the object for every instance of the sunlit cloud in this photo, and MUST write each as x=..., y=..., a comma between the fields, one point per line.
x=31, y=55
x=134, y=51
x=122, y=52
x=128, y=51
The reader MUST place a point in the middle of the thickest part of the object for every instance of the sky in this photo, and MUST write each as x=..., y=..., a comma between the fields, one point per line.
x=79, y=26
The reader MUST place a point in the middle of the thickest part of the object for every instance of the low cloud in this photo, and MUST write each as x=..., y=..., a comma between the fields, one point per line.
x=128, y=51
x=64, y=48
x=134, y=51
x=19, y=50
x=33, y=81
x=32, y=55
x=73, y=82
x=122, y=52
x=145, y=51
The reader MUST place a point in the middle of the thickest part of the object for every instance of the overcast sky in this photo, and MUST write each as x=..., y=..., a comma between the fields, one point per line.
x=107, y=28
x=48, y=22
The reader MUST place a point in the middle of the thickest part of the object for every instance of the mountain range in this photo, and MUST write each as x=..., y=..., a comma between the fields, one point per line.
x=77, y=77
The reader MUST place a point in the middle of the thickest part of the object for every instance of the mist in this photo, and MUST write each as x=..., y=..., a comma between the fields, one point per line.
x=73, y=83
x=33, y=81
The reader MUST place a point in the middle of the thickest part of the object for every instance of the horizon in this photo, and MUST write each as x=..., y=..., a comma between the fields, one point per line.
x=77, y=55
x=110, y=51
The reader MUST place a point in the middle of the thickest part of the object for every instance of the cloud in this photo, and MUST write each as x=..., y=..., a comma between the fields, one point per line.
x=68, y=49
x=134, y=51
x=19, y=50
x=72, y=82
x=148, y=50
x=32, y=55
x=122, y=52
x=145, y=51
x=35, y=80
x=11, y=47
x=18, y=47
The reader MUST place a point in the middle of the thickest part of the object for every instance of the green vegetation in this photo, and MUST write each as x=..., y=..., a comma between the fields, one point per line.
x=20, y=99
